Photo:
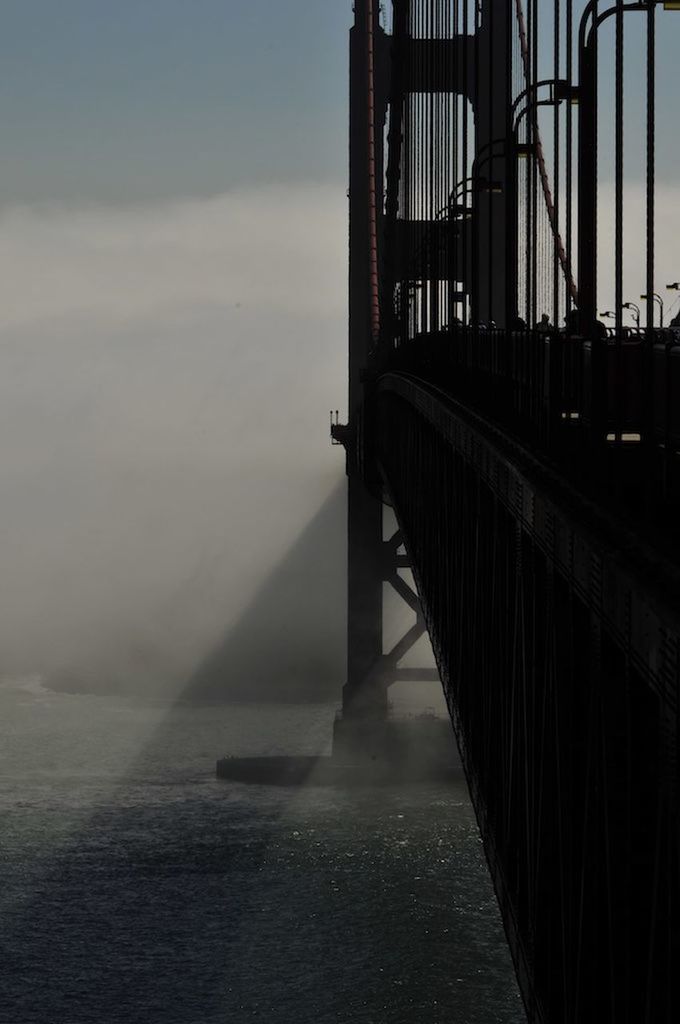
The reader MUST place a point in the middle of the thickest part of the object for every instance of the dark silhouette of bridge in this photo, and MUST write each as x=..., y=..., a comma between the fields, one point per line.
x=532, y=459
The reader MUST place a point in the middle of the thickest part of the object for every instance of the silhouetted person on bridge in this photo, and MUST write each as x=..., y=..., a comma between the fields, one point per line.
x=571, y=322
x=544, y=326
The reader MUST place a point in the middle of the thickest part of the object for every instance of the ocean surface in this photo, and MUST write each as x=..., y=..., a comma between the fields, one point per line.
x=137, y=889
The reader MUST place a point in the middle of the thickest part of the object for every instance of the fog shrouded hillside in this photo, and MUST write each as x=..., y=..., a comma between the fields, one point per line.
x=165, y=379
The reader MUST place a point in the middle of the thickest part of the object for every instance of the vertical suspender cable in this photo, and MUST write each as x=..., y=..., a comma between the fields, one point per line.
x=490, y=202
x=372, y=182
x=535, y=142
x=467, y=227
x=422, y=164
x=569, y=154
x=434, y=170
x=618, y=215
x=428, y=183
x=413, y=151
x=409, y=100
x=651, y=157
x=557, y=67
x=539, y=156
x=651, y=209
x=454, y=273
x=475, y=183
x=531, y=142
x=526, y=28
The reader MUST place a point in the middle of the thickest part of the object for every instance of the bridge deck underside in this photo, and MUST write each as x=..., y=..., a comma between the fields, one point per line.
x=562, y=683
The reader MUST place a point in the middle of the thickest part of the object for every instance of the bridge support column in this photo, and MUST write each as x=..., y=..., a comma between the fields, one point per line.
x=364, y=693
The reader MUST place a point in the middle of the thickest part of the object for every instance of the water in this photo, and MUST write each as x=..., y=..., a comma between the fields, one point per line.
x=136, y=888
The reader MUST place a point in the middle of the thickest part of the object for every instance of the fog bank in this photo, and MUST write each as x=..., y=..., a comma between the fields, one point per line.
x=165, y=379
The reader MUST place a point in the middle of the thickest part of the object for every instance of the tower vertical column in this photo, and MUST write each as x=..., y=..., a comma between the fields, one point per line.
x=365, y=692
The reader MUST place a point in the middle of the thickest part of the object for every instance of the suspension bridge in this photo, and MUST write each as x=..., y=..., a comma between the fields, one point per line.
x=531, y=455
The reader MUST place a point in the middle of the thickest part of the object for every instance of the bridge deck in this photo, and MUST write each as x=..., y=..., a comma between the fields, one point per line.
x=557, y=635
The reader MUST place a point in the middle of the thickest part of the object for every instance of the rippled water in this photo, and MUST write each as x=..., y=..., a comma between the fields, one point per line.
x=136, y=888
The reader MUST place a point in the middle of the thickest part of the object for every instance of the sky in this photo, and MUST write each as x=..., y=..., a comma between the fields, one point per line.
x=146, y=100
x=173, y=246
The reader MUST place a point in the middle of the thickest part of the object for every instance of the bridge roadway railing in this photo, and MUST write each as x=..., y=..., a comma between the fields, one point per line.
x=529, y=472
x=556, y=630
x=610, y=405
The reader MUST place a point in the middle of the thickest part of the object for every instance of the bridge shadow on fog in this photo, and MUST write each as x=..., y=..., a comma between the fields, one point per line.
x=289, y=642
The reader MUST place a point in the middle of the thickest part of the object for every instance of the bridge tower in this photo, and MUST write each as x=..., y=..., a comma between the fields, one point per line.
x=364, y=693
x=374, y=560
x=466, y=71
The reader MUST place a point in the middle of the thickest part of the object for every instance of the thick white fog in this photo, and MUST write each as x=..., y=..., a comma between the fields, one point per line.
x=165, y=379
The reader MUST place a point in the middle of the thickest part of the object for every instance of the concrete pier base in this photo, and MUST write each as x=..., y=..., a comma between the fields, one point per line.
x=365, y=752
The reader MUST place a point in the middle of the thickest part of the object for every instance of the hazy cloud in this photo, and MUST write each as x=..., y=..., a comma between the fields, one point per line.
x=165, y=378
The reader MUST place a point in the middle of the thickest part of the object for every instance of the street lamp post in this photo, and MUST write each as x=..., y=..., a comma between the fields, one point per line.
x=635, y=310
x=656, y=298
x=674, y=287
x=526, y=105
